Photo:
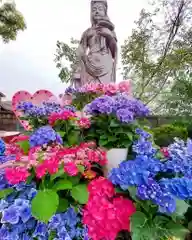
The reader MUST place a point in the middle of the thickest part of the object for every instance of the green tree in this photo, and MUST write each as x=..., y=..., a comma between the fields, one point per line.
x=11, y=22
x=156, y=51
x=178, y=101
x=65, y=59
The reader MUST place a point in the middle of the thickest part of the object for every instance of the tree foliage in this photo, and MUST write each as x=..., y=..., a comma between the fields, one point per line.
x=11, y=22
x=65, y=59
x=178, y=101
x=156, y=51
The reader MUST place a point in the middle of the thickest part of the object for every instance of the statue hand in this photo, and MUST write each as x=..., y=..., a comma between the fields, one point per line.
x=105, y=32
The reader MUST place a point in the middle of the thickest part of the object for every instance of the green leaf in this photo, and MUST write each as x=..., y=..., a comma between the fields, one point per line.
x=63, y=205
x=81, y=168
x=24, y=145
x=114, y=123
x=61, y=133
x=112, y=138
x=138, y=220
x=80, y=193
x=161, y=220
x=133, y=191
x=177, y=230
x=75, y=180
x=62, y=185
x=5, y=192
x=130, y=136
x=60, y=174
x=103, y=142
x=73, y=138
x=190, y=226
x=181, y=207
x=44, y=205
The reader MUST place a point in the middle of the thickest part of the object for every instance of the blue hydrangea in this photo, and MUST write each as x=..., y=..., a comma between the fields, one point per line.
x=178, y=187
x=2, y=147
x=44, y=135
x=128, y=174
x=18, y=223
x=157, y=194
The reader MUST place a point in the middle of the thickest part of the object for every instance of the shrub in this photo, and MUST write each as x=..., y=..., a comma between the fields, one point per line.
x=165, y=134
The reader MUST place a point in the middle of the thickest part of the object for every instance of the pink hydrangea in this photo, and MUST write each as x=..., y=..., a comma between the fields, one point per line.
x=64, y=115
x=84, y=123
x=105, y=214
x=16, y=175
x=125, y=86
x=71, y=169
x=110, y=89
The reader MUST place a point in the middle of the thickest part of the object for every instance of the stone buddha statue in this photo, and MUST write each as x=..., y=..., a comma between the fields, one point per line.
x=97, y=52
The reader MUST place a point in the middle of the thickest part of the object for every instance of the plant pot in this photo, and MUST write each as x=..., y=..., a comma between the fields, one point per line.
x=115, y=156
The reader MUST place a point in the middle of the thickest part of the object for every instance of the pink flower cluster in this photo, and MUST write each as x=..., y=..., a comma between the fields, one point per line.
x=84, y=123
x=108, y=89
x=105, y=213
x=50, y=160
x=63, y=115
x=16, y=175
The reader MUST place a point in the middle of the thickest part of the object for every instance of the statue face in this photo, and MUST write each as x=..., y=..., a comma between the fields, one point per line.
x=98, y=11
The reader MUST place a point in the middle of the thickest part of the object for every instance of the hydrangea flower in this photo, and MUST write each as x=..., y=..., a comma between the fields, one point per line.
x=101, y=105
x=178, y=187
x=44, y=135
x=2, y=147
x=158, y=195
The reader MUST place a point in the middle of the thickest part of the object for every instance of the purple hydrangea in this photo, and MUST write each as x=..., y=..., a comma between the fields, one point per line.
x=101, y=105
x=45, y=109
x=133, y=105
x=124, y=115
x=44, y=135
x=70, y=90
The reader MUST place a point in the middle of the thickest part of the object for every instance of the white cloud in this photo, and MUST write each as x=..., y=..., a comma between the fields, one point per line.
x=28, y=63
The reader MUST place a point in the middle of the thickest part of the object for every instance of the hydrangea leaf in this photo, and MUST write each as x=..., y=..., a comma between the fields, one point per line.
x=177, y=230
x=60, y=174
x=80, y=193
x=62, y=185
x=75, y=179
x=44, y=205
x=181, y=207
x=81, y=168
x=5, y=192
x=138, y=221
x=63, y=205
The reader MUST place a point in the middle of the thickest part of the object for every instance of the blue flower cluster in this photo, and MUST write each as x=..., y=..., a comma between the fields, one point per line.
x=179, y=187
x=143, y=171
x=44, y=135
x=31, y=110
x=17, y=221
x=68, y=225
x=125, y=108
x=180, y=158
x=2, y=147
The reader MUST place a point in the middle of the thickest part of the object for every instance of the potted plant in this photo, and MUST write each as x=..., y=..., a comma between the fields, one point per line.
x=113, y=124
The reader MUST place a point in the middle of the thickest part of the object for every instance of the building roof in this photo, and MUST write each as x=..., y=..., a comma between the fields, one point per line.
x=2, y=94
x=6, y=105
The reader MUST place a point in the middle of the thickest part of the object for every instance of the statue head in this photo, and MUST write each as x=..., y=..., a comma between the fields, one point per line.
x=98, y=10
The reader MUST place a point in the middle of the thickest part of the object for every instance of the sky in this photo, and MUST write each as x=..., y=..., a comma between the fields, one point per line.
x=28, y=63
